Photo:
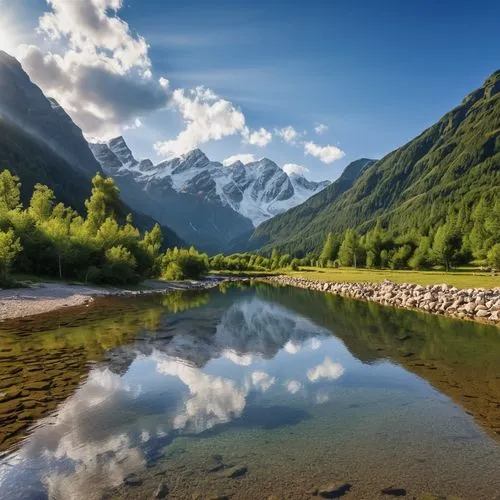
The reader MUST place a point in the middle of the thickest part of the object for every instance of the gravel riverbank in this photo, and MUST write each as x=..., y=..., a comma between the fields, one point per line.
x=479, y=304
x=47, y=297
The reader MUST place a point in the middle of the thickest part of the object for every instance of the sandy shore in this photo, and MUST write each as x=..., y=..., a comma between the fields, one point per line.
x=46, y=297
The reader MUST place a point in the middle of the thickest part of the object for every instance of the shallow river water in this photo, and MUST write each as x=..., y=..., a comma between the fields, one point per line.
x=248, y=392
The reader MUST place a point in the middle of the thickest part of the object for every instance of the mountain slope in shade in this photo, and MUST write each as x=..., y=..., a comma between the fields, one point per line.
x=455, y=161
x=208, y=203
x=41, y=144
x=23, y=103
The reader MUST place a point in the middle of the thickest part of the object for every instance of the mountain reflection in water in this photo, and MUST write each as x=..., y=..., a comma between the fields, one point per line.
x=255, y=375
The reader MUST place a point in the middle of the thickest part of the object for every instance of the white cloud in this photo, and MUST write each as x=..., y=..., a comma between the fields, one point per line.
x=207, y=117
x=262, y=380
x=213, y=400
x=293, y=168
x=238, y=359
x=328, y=369
x=320, y=128
x=292, y=347
x=289, y=134
x=261, y=137
x=293, y=386
x=244, y=158
x=326, y=154
x=100, y=72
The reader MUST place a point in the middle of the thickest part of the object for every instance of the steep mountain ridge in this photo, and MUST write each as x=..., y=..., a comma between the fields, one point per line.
x=452, y=163
x=23, y=103
x=208, y=203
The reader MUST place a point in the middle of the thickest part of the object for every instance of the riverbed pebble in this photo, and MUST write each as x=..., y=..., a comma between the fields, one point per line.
x=471, y=303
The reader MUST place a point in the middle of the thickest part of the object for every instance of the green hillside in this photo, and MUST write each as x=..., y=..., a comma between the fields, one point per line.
x=451, y=165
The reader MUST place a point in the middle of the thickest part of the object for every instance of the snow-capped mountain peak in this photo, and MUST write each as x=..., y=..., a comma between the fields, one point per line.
x=258, y=190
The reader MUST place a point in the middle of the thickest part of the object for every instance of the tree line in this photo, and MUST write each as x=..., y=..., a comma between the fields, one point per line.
x=47, y=238
x=461, y=239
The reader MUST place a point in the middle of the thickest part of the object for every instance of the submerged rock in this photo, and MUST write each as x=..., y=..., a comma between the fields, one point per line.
x=394, y=492
x=132, y=480
x=162, y=491
x=334, y=490
x=237, y=471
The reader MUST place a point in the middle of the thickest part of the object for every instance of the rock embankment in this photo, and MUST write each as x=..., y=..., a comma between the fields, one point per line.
x=471, y=303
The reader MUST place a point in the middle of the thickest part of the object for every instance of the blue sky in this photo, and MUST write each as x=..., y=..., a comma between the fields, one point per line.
x=375, y=73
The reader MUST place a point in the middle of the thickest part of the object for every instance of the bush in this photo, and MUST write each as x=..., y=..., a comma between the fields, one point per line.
x=119, y=267
x=179, y=264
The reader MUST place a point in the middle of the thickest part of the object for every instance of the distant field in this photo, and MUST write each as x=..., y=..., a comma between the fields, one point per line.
x=461, y=278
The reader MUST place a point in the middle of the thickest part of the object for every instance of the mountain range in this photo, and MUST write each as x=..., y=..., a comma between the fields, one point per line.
x=205, y=202
x=257, y=206
x=452, y=164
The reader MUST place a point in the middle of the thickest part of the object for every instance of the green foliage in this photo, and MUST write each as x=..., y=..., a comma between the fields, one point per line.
x=446, y=245
x=494, y=256
x=10, y=194
x=178, y=264
x=330, y=249
x=349, y=250
x=119, y=267
x=10, y=247
x=54, y=240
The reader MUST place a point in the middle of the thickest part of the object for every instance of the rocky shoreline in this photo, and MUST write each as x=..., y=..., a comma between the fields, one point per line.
x=479, y=304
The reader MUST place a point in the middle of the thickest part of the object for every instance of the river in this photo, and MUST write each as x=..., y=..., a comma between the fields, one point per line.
x=248, y=392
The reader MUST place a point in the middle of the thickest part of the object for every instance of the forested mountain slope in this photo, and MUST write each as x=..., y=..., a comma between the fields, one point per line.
x=450, y=165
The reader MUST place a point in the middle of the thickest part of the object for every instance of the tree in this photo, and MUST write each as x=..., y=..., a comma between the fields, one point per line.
x=10, y=247
x=42, y=203
x=57, y=229
x=119, y=266
x=330, y=249
x=399, y=259
x=10, y=192
x=151, y=244
x=103, y=203
x=421, y=258
x=349, y=250
x=494, y=256
x=446, y=245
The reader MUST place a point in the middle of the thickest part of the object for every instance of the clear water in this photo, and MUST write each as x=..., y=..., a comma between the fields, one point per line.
x=248, y=392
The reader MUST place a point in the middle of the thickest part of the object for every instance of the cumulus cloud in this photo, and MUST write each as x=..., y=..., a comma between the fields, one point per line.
x=238, y=359
x=320, y=128
x=326, y=154
x=101, y=71
x=328, y=369
x=244, y=158
x=293, y=168
x=289, y=134
x=292, y=347
x=262, y=381
x=213, y=400
x=293, y=386
x=260, y=137
x=207, y=117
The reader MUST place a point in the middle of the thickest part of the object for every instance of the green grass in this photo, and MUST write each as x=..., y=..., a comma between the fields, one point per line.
x=461, y=278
